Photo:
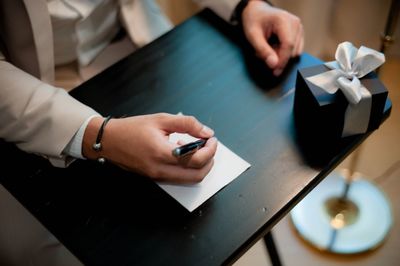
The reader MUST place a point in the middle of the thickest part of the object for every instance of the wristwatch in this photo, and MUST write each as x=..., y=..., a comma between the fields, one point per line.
x=236, y=17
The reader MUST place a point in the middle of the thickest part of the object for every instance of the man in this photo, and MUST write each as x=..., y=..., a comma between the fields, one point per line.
x=43, y=119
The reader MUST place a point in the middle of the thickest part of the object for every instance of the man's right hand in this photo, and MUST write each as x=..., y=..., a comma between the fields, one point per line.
x=141, y=144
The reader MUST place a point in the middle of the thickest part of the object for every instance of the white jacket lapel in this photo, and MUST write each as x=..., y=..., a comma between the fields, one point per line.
x=42, y=37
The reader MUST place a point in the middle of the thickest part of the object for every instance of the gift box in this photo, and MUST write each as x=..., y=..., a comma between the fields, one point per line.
x=340, y=98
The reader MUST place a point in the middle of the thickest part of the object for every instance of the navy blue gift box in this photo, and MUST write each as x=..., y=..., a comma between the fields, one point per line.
x=319, y=116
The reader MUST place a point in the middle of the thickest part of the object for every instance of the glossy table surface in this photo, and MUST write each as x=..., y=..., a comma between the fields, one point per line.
x=203, y=67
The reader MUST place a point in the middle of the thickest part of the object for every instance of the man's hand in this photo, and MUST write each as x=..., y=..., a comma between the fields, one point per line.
x=141, y=144
x=261, y=21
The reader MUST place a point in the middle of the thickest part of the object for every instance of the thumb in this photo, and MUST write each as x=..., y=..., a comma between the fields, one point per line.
x=186, y=124
x=263, y=48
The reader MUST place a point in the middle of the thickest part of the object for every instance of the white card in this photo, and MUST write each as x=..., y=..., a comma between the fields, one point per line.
x=227, y=166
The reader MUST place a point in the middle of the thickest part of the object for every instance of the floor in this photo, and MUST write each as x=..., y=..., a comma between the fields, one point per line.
x=378, y=161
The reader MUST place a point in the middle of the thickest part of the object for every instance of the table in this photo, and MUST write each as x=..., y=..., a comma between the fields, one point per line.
x=107, y=216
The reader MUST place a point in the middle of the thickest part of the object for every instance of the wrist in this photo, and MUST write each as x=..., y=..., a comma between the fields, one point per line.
x=90, y=137
x=251, y=2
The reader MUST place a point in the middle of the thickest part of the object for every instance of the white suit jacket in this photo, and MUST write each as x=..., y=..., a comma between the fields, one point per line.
x=35, y=115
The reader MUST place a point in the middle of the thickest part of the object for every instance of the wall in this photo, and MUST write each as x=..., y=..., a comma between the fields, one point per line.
x=329, y=22
x=326, y=22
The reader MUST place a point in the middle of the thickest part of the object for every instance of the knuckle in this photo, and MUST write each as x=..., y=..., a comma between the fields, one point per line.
x=190, y=121
x=285, y=15
x=162, y=115
x=252, y=31
x=290, y=43
x=288, y=47
x=296, y=20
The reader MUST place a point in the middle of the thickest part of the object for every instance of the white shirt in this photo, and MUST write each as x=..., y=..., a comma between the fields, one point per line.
x=82, y=28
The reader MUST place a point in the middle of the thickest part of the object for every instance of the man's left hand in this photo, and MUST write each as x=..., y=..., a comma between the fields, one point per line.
x=262, y=21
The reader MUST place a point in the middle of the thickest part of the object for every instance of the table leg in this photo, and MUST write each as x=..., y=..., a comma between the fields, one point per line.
x=272, y=251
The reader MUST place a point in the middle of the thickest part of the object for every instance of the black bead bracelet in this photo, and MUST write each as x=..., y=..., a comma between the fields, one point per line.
x=97, y=145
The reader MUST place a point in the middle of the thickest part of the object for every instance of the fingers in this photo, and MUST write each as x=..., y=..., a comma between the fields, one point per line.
x=256, y=37
x=284, y=54
x=185, y=124
x=195, y=160
x=140, y=144
x=261, y=21
x=188, y=169
x=180, y=175
x=290, y=34
x=299, y=44
x=181, y=142
x=201, y=157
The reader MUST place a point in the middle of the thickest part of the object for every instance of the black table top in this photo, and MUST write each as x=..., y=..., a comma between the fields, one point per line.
x=107, y=216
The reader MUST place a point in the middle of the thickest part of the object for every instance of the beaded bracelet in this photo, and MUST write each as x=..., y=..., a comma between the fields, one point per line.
x=97, y=145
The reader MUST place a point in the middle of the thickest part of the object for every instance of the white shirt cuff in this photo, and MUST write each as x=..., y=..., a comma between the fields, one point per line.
x=74, y=147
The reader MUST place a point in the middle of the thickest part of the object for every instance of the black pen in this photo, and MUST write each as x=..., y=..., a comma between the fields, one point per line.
x=189, y=148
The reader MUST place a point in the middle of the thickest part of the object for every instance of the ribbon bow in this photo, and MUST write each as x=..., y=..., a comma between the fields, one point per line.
x=350, y=66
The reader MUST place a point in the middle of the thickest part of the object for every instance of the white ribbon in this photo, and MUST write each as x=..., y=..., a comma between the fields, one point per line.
x=351, y=64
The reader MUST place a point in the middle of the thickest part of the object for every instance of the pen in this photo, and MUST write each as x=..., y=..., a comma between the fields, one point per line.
x=189, y=148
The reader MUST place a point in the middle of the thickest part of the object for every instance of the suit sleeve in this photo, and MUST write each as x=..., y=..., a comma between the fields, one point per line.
x=36, y=116
x=224, y=8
